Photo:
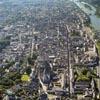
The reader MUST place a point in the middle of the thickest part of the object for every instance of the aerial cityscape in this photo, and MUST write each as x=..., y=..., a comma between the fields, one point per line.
x=49, y=49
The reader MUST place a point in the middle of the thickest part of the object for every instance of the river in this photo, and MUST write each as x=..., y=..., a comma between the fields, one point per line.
x=90, y=10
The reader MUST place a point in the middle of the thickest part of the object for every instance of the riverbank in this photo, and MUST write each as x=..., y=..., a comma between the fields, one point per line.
x=91, y=11
x=95, y=3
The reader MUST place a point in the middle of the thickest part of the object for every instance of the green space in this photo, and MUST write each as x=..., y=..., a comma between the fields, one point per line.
x=25, y=78
x=24, y=92
x=84, y=74
x=9, y=80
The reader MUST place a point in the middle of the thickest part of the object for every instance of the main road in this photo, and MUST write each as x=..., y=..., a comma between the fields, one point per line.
x=70, y=70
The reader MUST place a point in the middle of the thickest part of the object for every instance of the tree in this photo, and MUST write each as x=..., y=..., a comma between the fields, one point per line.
x=10, y=63
x=6, y=82
x=30, y=61
x=28, y=70
x=1, y=95
x=84, y=71
x=34, y=56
